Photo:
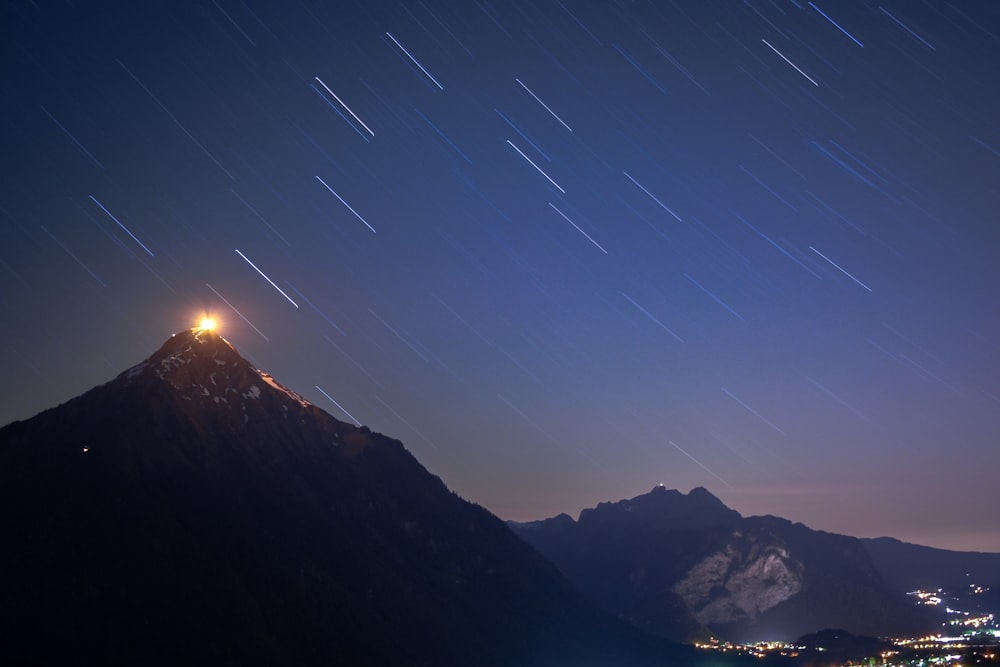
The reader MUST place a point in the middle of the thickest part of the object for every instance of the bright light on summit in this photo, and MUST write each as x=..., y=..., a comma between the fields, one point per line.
x=207, y=324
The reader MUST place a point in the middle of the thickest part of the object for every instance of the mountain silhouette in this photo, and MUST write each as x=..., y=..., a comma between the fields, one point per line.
x=908, y=567
x=195, y=511
x=686, y=566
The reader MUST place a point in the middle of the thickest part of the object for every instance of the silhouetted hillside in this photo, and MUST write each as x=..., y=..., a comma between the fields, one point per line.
x=907, y=567
x=685, y=565
x=194, y=511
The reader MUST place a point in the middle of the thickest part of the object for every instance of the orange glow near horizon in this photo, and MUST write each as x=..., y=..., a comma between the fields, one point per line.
x=208, y=323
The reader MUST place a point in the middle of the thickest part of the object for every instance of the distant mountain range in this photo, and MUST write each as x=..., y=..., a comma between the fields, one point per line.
x=907, y=567
x=684, y=566
x=195, y=511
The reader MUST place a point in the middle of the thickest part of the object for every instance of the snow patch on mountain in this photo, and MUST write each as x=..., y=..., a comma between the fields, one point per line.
x=205, y=368
x=276, y=385
x=135, y=371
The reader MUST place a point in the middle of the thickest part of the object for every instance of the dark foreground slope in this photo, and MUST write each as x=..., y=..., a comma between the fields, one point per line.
x=192, y=510
x=683, y=565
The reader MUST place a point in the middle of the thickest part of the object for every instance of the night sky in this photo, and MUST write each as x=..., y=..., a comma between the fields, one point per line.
x=565, y=251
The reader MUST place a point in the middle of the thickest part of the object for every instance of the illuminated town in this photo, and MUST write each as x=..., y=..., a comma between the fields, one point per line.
x=966, y=638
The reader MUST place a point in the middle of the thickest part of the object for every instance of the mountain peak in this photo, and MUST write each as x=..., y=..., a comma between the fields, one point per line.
x=662, y=505
x=194, y=343
x=205, y=367
x=703, y=495
x=698, y=493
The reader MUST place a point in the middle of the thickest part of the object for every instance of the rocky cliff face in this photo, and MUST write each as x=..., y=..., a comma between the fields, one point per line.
x=741, y=580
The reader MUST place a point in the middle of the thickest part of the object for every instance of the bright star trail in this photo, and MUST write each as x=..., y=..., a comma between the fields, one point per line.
x=618, y=243
x=697, y=462
x=564, y=217
x=837, y=25
x=124, y=228
x=537, y=168
x=652, y=196
x=349, y=207
x=840, y=268
x=265, y=277
x=553, y=113
x=754, y=412
x=415, y=61
x=796, y=67
x=353, y=419
x=353, y=115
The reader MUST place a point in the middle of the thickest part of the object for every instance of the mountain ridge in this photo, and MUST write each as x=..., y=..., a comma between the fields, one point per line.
x=686, y=566
x=193, y=509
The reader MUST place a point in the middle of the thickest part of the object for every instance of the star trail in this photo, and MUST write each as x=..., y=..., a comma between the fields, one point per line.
x=766, y=230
